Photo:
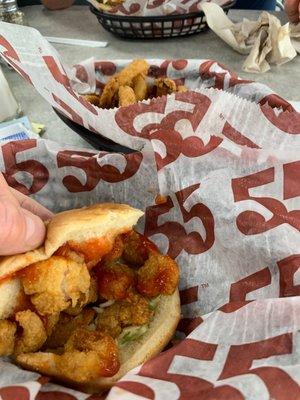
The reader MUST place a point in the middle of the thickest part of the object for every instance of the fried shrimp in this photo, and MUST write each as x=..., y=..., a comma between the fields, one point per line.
x=109, y=96
x=93, y=99
x=136, y=248
x=109, y=93
x=33, y=332
x=140, y=87
x=55, y=284
x=84, y=299
x=126, y=96
x=159, y=275
x=134, y=311
x=115, y=280
x=66, y=325
x=164, y=86
x=7, y=337
x=135, y=68
x=87, y=355
x=182, y=88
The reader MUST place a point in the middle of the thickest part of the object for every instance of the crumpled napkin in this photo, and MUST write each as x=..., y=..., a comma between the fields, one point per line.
x=265, y=40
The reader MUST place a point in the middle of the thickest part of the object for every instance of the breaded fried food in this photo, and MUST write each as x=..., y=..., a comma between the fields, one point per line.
x=115, y=280
x=93, y=99
x=109, y=96
x=7, y=337
x=164, y=86
x=140, y=87
x=126, y=96
x=33, y=334
x=87, y=355
x=159, y=275
x=136, y=248
x=66, y=325
x=84, y=299
x=55, y=284
x=137, y=67
x=134, y=311
x=50, y=321
x=181, y=89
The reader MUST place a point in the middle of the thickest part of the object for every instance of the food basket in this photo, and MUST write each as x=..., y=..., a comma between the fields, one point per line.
x=154, y=27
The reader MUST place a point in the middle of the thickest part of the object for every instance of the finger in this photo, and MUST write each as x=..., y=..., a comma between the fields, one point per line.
x=5, y=193
x=31, y=205
x=292, y=8
x=20, y=230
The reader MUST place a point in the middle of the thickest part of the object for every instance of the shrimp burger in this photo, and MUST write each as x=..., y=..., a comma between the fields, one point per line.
x=96, y=300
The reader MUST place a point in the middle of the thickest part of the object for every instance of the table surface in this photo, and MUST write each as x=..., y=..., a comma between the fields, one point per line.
x=78, y=22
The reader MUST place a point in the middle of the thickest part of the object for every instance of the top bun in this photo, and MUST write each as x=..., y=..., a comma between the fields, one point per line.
x=96, y=221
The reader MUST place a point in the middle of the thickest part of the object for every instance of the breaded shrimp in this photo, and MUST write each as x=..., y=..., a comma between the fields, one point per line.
x=55, y=284
x=33, y=332
x=159, y=275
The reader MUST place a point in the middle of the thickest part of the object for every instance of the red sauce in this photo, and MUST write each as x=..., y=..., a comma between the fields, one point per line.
x=91, y=249
x=114, y=281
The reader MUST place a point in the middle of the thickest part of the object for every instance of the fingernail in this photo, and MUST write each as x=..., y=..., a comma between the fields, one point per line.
x=35, y=230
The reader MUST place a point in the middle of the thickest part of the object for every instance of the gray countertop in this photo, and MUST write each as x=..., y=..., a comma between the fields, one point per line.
x=78, y=22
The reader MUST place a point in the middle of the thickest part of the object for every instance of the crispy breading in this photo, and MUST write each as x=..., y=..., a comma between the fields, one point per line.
x=135, y=68
x=140, y=87
x=159, y=275
x=108, y=97
x=116, y=252
x=88, y=355
x=49, y=322
x=136, y=248
x=134, y=311
x=7, y=337
x=84, y=299
x=33, y=332
x=115, y=280
x=66, y=325
x=164, y=86
x=55, y=284
x=182, y=88
x=126, y=96
x=92, y=98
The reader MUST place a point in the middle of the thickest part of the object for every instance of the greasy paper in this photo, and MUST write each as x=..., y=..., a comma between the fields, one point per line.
x=265, y=40
x=228, y=166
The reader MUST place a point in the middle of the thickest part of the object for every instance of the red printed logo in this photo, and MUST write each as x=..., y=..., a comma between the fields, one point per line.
x=178, y=238
x=166, y=132
x=251, y=222
x=38, y=172
x=287, y=269
x=87, y=162
x=240, y=358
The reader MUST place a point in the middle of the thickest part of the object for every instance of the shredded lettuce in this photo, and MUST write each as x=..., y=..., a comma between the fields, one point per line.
x=132, y=333
x=153, y=303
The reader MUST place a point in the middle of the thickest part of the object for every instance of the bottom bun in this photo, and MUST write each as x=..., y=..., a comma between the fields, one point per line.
x=151, y=343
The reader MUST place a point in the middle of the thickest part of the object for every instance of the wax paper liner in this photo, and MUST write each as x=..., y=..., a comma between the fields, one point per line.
x=157, y=7
x=39, y=63
x=228, y=173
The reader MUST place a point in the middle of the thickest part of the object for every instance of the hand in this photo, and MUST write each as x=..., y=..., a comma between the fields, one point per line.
x=292, y=8
x=21, y=221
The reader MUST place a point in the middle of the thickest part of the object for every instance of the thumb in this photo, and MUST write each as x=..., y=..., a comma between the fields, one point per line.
x=21, y=230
